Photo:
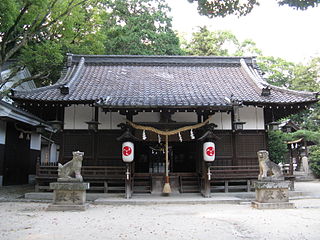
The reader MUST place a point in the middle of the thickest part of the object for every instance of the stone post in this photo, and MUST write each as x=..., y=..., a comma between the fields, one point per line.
x=69, y=193
x=271, y=189
x=272, y=195
x=68, y=196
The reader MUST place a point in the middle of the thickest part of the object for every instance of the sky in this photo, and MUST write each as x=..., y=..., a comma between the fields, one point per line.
x=277, y=31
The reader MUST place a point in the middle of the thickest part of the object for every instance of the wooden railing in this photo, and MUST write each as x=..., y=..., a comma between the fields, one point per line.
x=97, y=176
x=233, y=177
x=234, y=172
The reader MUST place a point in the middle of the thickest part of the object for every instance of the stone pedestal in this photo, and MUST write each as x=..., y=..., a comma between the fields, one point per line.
x=68, y=196
x=272, y=195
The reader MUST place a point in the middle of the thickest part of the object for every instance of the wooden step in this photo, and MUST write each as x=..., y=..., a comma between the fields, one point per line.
x=189, y=184
x=142, y=184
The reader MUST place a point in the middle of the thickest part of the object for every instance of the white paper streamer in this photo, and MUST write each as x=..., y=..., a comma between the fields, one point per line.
x=180, y=137
x=144, y=136
x=191, y=134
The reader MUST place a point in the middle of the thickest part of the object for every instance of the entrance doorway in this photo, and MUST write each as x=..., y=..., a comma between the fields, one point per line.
x=150, y=157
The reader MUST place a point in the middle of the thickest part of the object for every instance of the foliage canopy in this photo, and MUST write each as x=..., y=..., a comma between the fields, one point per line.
x=39, y=33
x=140, y=27
x=241, y=8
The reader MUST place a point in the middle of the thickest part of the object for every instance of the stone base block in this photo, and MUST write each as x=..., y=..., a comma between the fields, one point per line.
x=68, y=196
x=69, y=207
x=278, y=205
x=272, y=191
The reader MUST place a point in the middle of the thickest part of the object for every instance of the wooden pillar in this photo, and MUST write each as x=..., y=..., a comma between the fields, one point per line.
x=199, y=117
x=128, y=181
x=95, y=137
x=291, y=162
x=129, y=116
x=234, y=140
x=206, y=191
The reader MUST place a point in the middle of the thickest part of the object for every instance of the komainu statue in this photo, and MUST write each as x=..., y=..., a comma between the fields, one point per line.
x=268, y=169
x=72, y=169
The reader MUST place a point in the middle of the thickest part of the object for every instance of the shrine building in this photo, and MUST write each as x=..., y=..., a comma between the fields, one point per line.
x=168, y=107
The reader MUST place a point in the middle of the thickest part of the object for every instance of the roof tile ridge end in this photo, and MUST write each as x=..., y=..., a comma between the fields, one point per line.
x=35, y=90
x=65, y=78
x=306, y=93
x=251, y=74
x=76, y=74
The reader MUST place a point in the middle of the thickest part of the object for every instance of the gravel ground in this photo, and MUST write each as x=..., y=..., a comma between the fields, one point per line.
x=15, y=192
x=26, y=221
x=30, y=221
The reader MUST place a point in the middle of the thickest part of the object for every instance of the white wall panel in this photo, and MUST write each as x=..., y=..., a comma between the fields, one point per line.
x=147, y=117
x=117, y=118
x=185, y=117
x=222, y=120
x=3, y=132
x=105, y=120
x=76, y=116
x=35, y=141
x=253, y=117
x=53, y=153
x=69, y=117
x=83, y=115
x=110, y=120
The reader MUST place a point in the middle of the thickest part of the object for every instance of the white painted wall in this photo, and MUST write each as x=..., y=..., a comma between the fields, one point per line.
x=45, y=154
x=53, y=153
x=222, y=120
x=110, y=120
x=185, y=117
x=3, y=132
x=147, y=117
x=253, y=116
x=35, y=141
x=76, y=116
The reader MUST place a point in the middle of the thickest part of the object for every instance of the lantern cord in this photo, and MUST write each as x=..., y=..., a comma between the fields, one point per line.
x=168, y=133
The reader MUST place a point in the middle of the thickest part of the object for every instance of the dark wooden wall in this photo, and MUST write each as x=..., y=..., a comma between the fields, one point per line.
x=17, y=159
x=102, y=148
x=247, y=145
x=99, y=148
x=239, y=148
x=224, y=149
x=2, y=149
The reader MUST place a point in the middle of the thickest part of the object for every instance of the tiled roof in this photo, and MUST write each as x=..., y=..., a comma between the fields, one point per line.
x=9, y=111
x=162, y=81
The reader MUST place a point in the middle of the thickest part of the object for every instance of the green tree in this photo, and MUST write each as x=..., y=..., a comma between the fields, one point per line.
x=140, y=27
x=26, y=21
x=315, y=159
x=41, y=32
x=248, y=48
x=277, y=146
x=219, y=43
x=306, y=76
x=302, y=77
x=241, y=8
x=277, y=71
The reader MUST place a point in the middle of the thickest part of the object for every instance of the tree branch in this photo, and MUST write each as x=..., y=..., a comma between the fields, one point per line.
x=12, y=28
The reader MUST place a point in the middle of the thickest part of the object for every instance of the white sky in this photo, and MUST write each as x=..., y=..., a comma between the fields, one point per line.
x=277, y=31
